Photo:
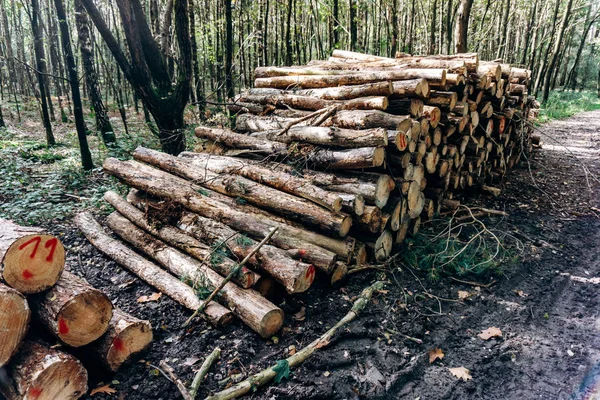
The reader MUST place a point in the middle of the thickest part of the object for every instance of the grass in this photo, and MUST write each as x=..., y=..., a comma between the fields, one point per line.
x=566, y=104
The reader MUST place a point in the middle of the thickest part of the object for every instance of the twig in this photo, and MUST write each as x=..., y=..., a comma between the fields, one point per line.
x=199, y=377
x=305, y=118
x=233, y=273
x=264, y=377
x=180, y=386
x=483, y=285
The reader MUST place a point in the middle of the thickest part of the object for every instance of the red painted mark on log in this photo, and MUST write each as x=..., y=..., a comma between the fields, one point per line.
x=63, y=328
x=402, y=142
x=301, y=252
x=51, y=243
x=27, y=274
x=118, y=343
x=433, y=118
x=310, y=273
x=34, y=392
x=37, y=241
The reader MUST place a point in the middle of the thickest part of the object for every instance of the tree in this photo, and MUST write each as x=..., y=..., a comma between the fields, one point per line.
x=103, y=124
x=147, y=69
x=462, y=25
x=86, y=156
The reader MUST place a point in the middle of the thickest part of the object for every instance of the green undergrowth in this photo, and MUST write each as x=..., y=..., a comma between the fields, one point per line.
x=568, y=103
x=468, y=249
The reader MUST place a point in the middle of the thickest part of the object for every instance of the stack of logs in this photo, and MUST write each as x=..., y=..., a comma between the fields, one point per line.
x=36, y=284
x=341, y=158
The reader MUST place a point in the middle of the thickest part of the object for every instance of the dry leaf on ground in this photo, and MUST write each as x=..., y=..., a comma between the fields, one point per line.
x=152, y=297
x=435, y=354
x=490, y=333
x=463, y=294
x=103, y=389
x=461, y=373
x=300, y=315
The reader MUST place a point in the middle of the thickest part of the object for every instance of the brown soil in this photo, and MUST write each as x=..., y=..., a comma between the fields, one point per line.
x=550, y=322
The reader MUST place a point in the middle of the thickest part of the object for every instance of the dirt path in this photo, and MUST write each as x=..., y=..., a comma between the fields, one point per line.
x=546, y=304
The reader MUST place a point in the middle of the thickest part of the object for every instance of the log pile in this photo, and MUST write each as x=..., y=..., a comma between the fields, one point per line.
x=335, y=162
x=35, y=285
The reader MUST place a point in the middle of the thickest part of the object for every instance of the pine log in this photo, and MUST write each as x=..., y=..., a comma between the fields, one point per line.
x=149, y=272
x=405, y=106
x=31, y=260
x=433, y=115
x=328, y=136
x=256, y=123
x=74, y=311
x=14, y=322
x=236, y=140
x=258, y=313
x=437, y=76
x=343, y=92
x=289, y=100
x=357, y=56
x=441, y=99
x=350, y=159
x=267, y=174
x=42, y=373
x=362, y=119
x=257, y=194
x=370, y=219
x=353, y=203
x=126, y=336
x=411, y=88
x=382, y=248
x=177, y=238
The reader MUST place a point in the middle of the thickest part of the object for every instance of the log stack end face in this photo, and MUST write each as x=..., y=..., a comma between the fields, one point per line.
x=129, y=339
x=33, y=263
x=84, y=318
x=14, y=321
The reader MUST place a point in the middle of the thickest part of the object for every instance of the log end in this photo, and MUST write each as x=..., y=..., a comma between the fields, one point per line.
x=378, y=156
x=14, y=320
x=360, y=253
x=132, y=339
x=34, y=263
x=339, y=274
x=383, y=246
x=271, y=323
x=345, y=225
x=84, y=318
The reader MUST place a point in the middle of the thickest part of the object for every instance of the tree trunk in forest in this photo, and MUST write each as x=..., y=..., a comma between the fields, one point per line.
x=91, y=77
x=336, y=24
x=432, y=44
x=41, y=372
x=200, y=100
x=228, y=50
x=462, y=25
x=502, y=51
x=14, y=320
x=395, y=34
x=86, y=156
x=353, y=24
x=557, y=47
x=40, y=61
x=572, y=77
x=528, y=34
x=449, y=28
x=544, y=58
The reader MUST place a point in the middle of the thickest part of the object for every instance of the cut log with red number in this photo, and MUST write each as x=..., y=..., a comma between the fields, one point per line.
x=14, y=322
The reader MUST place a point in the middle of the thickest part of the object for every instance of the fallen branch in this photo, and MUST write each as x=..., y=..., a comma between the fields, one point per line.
x=180, y=386
x=233, y=273
x=264, y=377
x=483, y=285
x=199, y=377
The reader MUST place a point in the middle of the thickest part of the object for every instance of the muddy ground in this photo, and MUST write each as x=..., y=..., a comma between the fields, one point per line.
x=550, y=322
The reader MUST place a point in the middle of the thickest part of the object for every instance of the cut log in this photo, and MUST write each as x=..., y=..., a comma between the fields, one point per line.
x=258, y=313
x=405, y=106
x=382, y=248
x=31, y=260
x=256, y=123
x=362, y=119
x=267, y=174
x=149, y=272
x=42, y=373
x=126, y=336
x=74, y=311
x=238, y=141
x=411, y=88
x=288, y=100
x=331, y=136
x=433, y=115
x=371, y=219
x=344, y=92
x=14, y=322
x=365, y=157
x=254, y=193
x=444, y=100
x=177, y=238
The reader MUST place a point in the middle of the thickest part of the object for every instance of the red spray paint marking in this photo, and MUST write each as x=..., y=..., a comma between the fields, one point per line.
x=51, y=243
x=310, y=273
x=402, y=141
x=27, y=274
x=433, y=118
x=34, y=392
x=36, y=239
x=118, y=344
x=301, y=252
x=63, y=329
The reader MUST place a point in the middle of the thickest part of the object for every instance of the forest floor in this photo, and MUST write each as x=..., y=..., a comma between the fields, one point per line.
x=544, y=298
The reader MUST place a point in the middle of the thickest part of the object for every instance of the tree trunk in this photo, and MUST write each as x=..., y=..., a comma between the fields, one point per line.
x=149, y=272
x=353, y=25
x=14, y=322
x=557, y=47
x=40, y=61
x=228, y=50
x=86, y=156
x=73, y=311
x=462, y=25
x=32, y=262
x=126, y=336
x=572, y=77
x=40, y=372
x=91, y=77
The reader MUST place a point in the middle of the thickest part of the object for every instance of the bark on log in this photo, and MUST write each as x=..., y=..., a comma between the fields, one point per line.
x=258, y=313
x=74, y=311
x=31, y=260
x=293, y=100
x=14, y=322
x=362, y=119
x=177, y=238
x=411, y=88
x=328, y=136
x=365, y=157
x=149, y=272
x=339, y=93
x=40, y=372
x=236, y=140
x=257, y=194
x=126, y=336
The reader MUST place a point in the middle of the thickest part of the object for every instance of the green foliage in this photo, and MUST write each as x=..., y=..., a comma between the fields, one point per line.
x=565, y=104
x=282, y=368
x=244, y=240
